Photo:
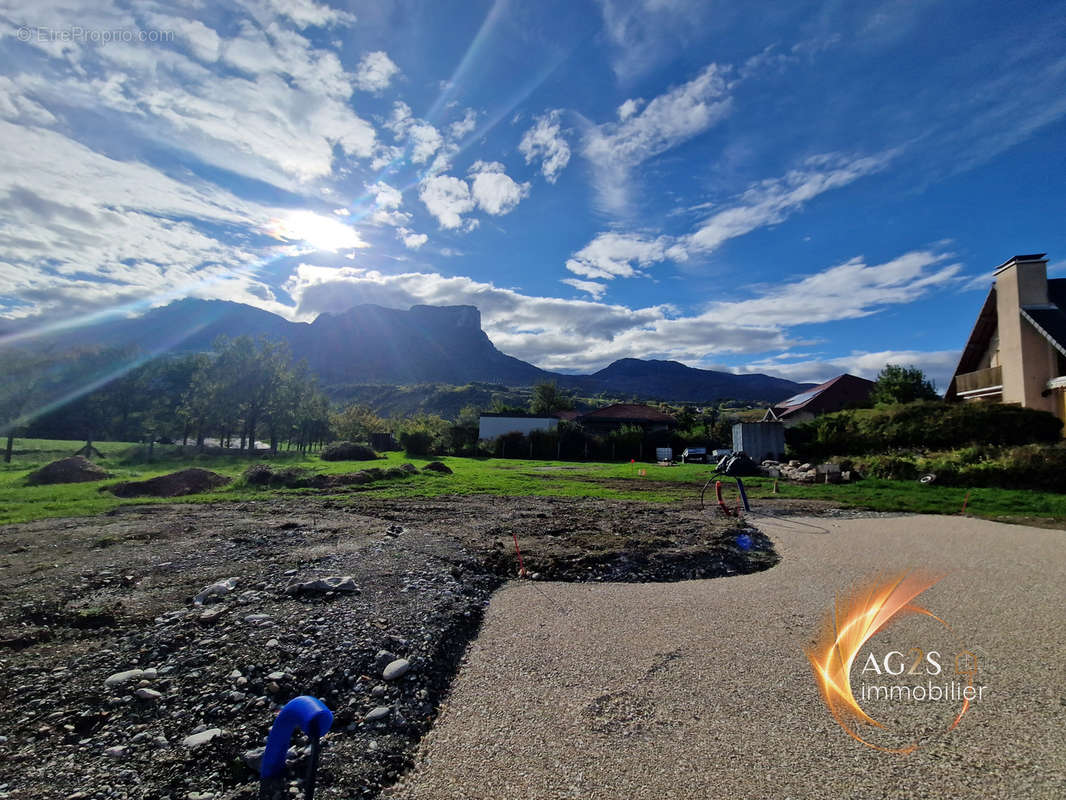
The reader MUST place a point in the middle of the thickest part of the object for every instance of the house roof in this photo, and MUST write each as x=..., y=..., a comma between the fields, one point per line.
x=1050, y=319
x=977, y=343
x=832, y=395
x=627, y=412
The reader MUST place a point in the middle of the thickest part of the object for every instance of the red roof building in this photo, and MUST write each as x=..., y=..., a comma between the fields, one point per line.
x=619, y=414
x=841, y=392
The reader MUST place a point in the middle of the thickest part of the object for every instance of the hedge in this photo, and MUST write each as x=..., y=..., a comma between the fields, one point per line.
x=927, y=425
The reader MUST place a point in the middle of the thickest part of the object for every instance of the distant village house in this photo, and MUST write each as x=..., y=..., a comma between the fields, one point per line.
x=843, y=391
x=601, y=420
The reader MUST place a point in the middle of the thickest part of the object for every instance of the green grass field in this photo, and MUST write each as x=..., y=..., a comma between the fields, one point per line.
x=126, y=461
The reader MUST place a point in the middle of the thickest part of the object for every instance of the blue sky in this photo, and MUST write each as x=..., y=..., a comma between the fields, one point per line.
x=806, y=190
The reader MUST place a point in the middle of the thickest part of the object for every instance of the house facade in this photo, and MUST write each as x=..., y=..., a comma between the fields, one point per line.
x=1016, y=352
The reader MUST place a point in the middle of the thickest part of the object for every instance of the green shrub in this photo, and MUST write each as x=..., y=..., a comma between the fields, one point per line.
x=925, y=425
x=347, y=451
x=417, y=443
x=1035, y=467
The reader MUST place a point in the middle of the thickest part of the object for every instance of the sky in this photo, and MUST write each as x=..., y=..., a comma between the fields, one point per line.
x=815, y=188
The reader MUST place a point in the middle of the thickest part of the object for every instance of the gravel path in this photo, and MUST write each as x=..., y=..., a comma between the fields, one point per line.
x=702, y=689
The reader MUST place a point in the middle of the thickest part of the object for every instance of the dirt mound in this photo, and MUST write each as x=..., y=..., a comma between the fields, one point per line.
x=76, y=469
x=437, y=466
x=176, y=484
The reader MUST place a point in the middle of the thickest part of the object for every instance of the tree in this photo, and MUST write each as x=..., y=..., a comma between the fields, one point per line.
x=24, y=376
x=899, y=384
x=547, y=399
x=356, y=422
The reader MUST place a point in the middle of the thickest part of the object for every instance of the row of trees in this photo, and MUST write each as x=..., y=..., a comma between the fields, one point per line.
x=243, y=390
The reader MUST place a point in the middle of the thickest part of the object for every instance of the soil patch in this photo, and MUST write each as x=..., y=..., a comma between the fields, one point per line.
x=82, y=600
x=176, y=484
x=76, y=469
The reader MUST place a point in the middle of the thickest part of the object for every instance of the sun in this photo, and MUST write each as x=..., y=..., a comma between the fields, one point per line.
x=316, y=230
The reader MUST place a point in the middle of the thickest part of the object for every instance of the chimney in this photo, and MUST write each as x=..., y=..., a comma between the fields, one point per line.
x=1020, y=282
x=1023, y=279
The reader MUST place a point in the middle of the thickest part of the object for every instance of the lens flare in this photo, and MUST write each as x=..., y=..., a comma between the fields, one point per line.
x=857, y=618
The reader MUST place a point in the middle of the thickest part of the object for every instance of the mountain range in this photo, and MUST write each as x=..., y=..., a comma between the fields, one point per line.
x=370, y=344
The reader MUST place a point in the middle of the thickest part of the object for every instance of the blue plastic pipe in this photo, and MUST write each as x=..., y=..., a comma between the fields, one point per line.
x=310, y=715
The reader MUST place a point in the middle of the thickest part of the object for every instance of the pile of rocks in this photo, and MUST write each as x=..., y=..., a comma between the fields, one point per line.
x=805, y=472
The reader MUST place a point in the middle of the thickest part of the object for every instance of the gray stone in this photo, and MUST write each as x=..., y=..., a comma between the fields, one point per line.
x=212, y=614
x=118, y=751
x=334, y=583
x=120, y=678
x=379, y=690
x=396, y=669
x=204, y=737
x=378, y=713
x=215, y=590
x=148, y=694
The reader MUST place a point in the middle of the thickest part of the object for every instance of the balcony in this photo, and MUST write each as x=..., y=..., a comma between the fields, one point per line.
x=979, y=383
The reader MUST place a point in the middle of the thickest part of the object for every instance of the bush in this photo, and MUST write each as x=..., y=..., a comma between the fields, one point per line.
x=1035, y=467
x=417, y=443
x=347, y=451
x=925, y=425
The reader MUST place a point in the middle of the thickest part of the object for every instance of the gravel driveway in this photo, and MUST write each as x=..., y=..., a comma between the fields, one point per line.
x=702, y=688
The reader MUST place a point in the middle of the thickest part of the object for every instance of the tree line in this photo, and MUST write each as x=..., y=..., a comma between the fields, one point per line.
x=244, y=389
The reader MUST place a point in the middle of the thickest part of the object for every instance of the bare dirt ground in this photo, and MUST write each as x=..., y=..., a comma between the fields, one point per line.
x=83, y=601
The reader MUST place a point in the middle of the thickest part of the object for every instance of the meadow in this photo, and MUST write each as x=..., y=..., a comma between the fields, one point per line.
x=472, y=476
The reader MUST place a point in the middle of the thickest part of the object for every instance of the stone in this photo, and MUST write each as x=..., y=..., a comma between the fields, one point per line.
x=378, y=713
x=254, y=758
x=148, y=694
x=212, y=614
x=379, y=690
x=276, y=676
x=118, y=751
x=396, y=669
x=334, y=583
x=215, y=590
x=120, y=678
x=203, y=737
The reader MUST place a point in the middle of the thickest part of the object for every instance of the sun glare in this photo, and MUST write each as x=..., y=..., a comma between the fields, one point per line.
x=321, y=233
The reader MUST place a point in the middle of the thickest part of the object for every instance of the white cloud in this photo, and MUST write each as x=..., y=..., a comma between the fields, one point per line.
x=425, y=140
x=939, y=365
x=494, y=191
x=264, y=102
x=447, y=198
x=771, y=201
x=545, y=141
x=375, y=72
x=458, y=130
x=617, y=255
x=306, y=13
x=596, y=290
x=615, y=148
x=410, y=239
x=646, y=33
x=629, y=108
x=847, y=291
x=400, y=119
x=385, y=196
x=137, y=235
